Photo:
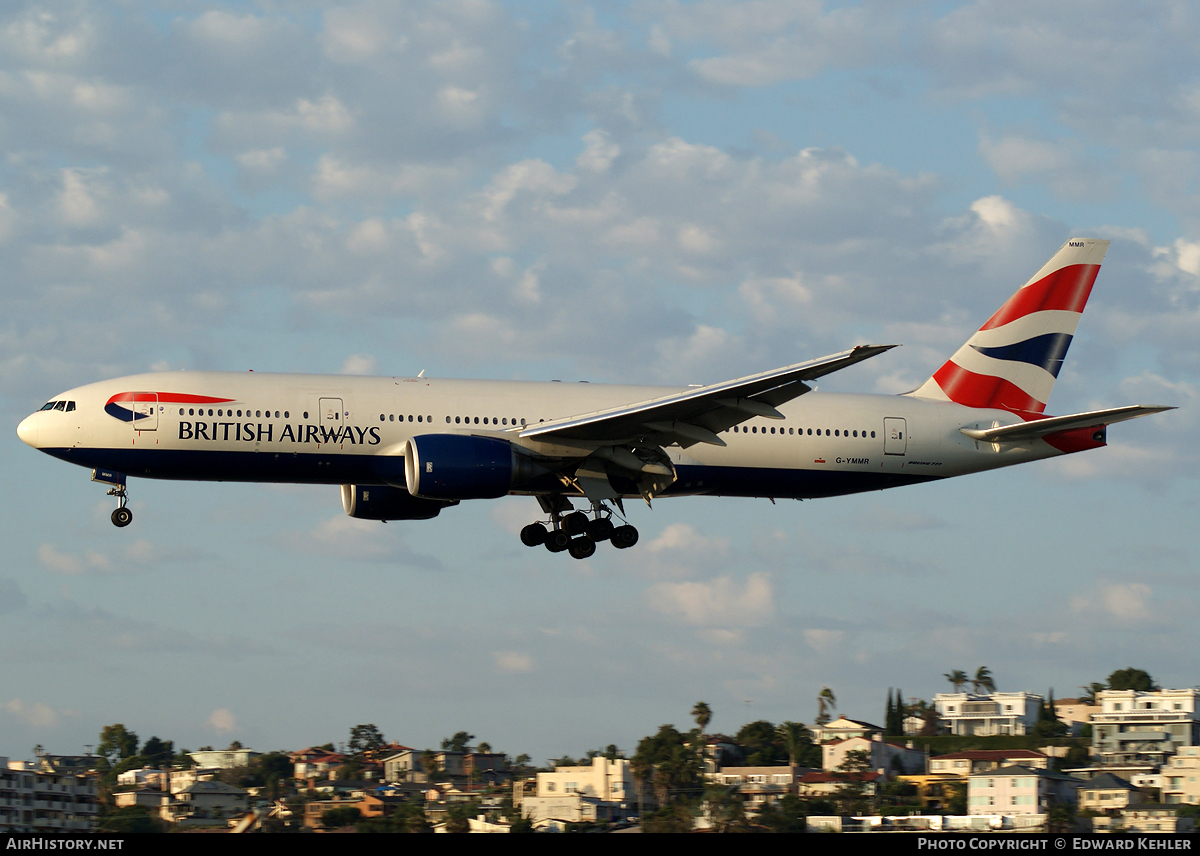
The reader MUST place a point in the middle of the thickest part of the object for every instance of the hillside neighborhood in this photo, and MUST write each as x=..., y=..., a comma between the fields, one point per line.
x=1125, y=756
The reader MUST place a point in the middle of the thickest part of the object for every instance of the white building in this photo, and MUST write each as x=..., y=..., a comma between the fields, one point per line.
x=40, y=801
x=224, y=759
x=887, y=759
x=1139, y=728
x=604, y=791
x=985, y=715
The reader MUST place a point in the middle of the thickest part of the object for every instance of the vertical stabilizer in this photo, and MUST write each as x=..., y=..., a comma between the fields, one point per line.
x=1014, y=359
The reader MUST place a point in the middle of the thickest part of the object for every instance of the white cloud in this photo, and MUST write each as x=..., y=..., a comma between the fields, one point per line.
x=37, y=714
x=512, y=662
x=359, y=364
x=718, y=602
x=1126, y=603
x=222, y=720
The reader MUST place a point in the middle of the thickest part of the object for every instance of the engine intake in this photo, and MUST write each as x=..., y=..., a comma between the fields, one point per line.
x=380, y=502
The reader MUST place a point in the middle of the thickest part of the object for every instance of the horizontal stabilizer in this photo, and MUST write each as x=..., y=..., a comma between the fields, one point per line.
x=1054, y=424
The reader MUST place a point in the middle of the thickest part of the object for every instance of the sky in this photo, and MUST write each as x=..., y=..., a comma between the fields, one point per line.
x=643, y=192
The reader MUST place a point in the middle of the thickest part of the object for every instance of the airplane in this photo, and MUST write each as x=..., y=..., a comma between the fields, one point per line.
x=405, y=448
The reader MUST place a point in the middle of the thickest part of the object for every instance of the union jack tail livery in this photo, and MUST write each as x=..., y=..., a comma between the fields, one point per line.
x=1013, y=361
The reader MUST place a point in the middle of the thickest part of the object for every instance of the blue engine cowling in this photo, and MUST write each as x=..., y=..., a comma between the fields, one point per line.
x=460, y=466
x=380, y=502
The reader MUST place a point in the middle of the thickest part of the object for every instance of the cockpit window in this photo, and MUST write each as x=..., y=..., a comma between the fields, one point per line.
x=70, y=406
x=60, y=405
x=49, y=405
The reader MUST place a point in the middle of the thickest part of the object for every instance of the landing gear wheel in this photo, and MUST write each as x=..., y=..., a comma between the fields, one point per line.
x=557, y=541
x=534, y=535
x=582, y=547
x=624, y=537
x=600, y=529
x=575, y=523
x=122, y=517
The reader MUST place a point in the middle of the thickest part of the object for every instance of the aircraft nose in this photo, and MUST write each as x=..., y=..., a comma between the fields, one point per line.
x=28, y=430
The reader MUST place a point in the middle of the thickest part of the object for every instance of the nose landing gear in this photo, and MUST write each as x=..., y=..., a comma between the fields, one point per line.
x=122, y=516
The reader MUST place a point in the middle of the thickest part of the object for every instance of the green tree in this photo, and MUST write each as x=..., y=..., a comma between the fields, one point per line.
x=702, y=713
x=957, y=678
x=116, y=743
x=457, y=743
x=797, y=742
x=1132, y=679
x=670, y=760
x=762, y=744
x=787, y=815
x=983, y=680
x=1091, y=693
x=365, y=741
x=826, y=701
x=158, y=752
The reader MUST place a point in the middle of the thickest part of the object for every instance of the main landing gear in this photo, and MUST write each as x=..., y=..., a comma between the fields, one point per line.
x=122, y=516
x=574, y=532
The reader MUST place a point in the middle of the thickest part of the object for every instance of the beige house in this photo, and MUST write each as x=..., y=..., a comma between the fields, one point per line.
x=1109, y=794
x=604, y=791
x=1181, y=777
x=1019, y=790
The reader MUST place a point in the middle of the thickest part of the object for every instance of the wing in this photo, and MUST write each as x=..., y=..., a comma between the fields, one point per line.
x=700, y=414
x=1042, y=427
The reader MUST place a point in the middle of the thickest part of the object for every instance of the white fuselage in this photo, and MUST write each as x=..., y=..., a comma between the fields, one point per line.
x=332, y=429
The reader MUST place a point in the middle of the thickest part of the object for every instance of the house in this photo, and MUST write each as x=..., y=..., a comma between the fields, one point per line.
x=1075, y=713
x=843, y=728
x=986, y=715
x=963, y=764
x=315, y=763
x=1155, y=817
x=602, y=792
x=1109, y=794
x=1181, y=777
x=1019, y=790
x=825, y=784
x=205, y=802
x=224, y=759
x=1144, y=728
x=760, y=785
x=888, y=759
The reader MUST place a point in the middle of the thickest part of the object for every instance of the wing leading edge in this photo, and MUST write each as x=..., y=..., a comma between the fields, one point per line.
x=700, y=414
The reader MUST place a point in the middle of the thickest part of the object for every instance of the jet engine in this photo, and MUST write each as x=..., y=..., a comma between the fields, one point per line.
x=461, y=466
x=380, y=502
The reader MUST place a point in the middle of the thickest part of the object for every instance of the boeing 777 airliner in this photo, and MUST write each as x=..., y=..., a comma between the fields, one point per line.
x=405, y=448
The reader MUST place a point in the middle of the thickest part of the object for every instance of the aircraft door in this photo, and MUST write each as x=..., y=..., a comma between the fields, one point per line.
x=332, y=417
x=894, y=440
x=145, y=411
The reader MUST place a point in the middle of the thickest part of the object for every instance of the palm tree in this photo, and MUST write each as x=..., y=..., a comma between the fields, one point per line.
x=794, y=737
x=1091, y=693
x=983, y=678
x=958, y=678
x=825, y=701
x=702, y=713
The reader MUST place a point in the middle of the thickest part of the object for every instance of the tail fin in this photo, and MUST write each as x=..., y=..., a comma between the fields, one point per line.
x=1013, y=361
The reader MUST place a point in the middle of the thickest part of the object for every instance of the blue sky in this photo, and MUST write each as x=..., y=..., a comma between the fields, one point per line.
x=659, y=192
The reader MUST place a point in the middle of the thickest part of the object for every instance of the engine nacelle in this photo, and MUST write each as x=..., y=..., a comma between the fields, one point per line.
x=460, y=466
x=380, y=502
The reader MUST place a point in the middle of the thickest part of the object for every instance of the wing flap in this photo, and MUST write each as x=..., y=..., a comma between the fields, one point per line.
x=1052, y=425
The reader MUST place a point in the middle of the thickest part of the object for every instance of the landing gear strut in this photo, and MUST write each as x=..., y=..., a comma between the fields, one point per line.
x=573, y=531
x=122, y=516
